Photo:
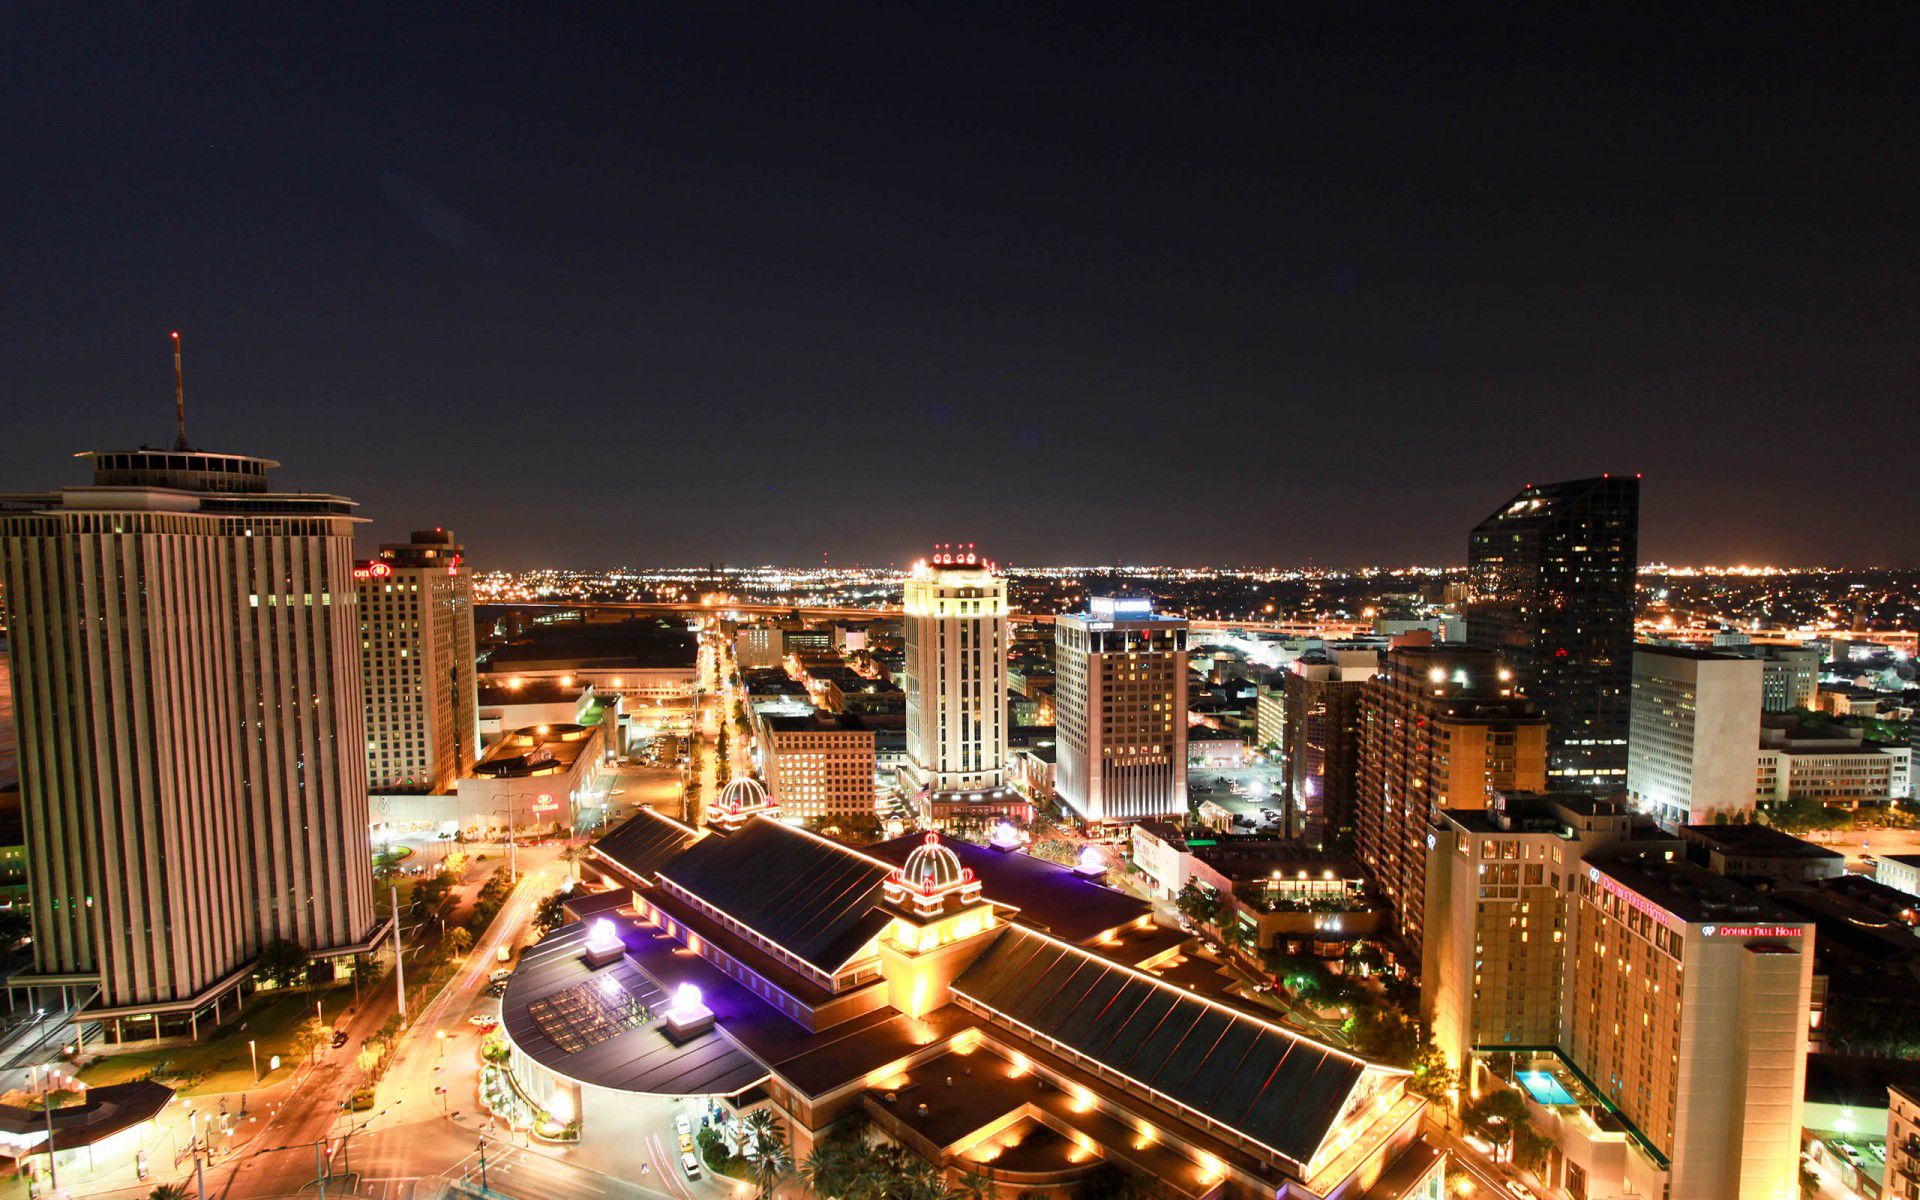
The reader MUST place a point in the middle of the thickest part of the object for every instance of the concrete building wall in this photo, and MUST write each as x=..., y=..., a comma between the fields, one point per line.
x=1695, y=734
x=192, y=736
x=956, y=665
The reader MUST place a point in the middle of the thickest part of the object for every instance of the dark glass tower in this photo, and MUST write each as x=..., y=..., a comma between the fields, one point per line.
x=1551, y=579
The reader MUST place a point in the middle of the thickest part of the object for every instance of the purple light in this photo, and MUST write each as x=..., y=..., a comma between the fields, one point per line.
x=601, y=933
x=1091, y=861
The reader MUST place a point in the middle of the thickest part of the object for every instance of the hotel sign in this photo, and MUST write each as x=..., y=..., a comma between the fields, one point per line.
x=1633, y=899
x=1751, y=931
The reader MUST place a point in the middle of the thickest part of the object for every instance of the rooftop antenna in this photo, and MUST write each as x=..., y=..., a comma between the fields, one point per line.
x=179, y=398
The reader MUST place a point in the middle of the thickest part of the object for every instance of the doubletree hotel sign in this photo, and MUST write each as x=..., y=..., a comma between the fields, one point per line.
x=1751, y=931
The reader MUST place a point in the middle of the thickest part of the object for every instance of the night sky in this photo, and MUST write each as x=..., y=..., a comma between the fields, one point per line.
x=653, y=284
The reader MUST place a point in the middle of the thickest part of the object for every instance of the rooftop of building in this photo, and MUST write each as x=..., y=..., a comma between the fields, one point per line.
x=495, y=692
x=638, y=644
x=1044, y=895
x=643, y=842
x=1691, y=653
x=1762, y=841
x=814, y=898
x=814, y=722
x=535, y=750
x=1691, y=893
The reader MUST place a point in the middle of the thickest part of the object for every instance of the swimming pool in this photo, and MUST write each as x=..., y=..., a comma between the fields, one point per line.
x=1543, y=1087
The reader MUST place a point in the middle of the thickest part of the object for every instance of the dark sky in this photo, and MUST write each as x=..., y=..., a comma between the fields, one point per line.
x=653, y=283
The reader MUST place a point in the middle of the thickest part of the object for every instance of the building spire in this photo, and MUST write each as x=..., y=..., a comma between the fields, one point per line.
x=179, y=398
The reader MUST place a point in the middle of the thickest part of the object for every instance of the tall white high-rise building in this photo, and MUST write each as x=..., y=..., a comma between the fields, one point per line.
x=1120, y=711
x=417, y=663
x=956, y=685
x=192, y=743
x=1694, y=734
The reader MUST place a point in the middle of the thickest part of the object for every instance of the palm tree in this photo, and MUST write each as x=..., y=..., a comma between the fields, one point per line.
x=169, y=1191
x=767, y=1143
x=571, y=854
x=976, y=1184
x=827, y=1173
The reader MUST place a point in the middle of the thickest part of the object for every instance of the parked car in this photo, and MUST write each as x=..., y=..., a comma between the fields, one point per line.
x=682, y=1125
x=339, y=1038
x=690, y=1164
x=1520, y=1190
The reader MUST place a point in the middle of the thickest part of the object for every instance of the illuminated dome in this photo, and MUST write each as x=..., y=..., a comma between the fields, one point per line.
x=932, y=867
x=744, y=794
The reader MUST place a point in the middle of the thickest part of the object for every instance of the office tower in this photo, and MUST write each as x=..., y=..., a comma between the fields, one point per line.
x=1695, y=734
x=417, y=664
x=1789, y=676
x=955, y=628
x=1270, y=714
x=1440, y=727
x=1552, y=575
x=1321, y=697
x=193, y=750
x=1678, y=1000
x=1120, y=710
x=819, y=766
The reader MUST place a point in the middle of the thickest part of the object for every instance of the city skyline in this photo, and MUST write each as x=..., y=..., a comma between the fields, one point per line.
x=876, y=271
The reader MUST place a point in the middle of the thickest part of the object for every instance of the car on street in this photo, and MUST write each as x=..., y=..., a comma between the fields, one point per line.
x=690, y=1164
x=1520, y=1191
x=339, y=1038
x=483, y=1021
x=686, y=1143
x=682, y=1125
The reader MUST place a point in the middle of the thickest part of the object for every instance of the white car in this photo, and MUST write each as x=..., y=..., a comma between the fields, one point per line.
x=1520, y=1190
x=690, y=1165
x=681, y=1124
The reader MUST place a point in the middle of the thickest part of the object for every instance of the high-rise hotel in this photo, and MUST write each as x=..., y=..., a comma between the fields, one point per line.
x=1655, y=1015
x=1551, y=578
x=417, y=660
x=192, y=748
x=956, y=683
x=1120, y=711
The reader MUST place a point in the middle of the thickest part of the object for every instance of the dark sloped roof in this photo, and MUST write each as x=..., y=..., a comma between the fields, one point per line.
x=1277, y=1088
x=641, y=843
x=803, y=893
x=1049, y=896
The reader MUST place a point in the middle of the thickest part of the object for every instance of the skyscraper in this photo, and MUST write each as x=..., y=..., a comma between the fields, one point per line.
x=1440, y=727
x=1120, y=711
x=1551, y=575
x=417, y=663
x=1322, y=738
x=1695, y=743
x=192, y=746
x=956, y=685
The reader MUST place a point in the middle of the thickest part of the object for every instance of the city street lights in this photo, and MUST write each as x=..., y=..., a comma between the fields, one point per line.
x=253, y=1053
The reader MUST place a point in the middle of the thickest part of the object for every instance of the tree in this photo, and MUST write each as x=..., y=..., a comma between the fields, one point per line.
x=767, y=1146
x=282, y=962
x=975, y=1184
x=1432, y=1076
x=1199, y=903
x=550, y=914
x=571, y=854
x=1496, y=1116
x=459, y=941
x=170, y=1191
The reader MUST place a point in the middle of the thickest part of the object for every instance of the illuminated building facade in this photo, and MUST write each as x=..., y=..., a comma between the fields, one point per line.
x=1440, y=727
x=819, y=765
x=192, y=745
x=1695, y=734
x=1120, y=711
x=957, y=642
x=988, y=1011
x=1655, y=1015
x=417, y=664
x=1322, y=741
x=1552, y=575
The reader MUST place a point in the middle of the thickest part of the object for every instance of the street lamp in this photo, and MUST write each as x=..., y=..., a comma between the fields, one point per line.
x=253, y=1053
